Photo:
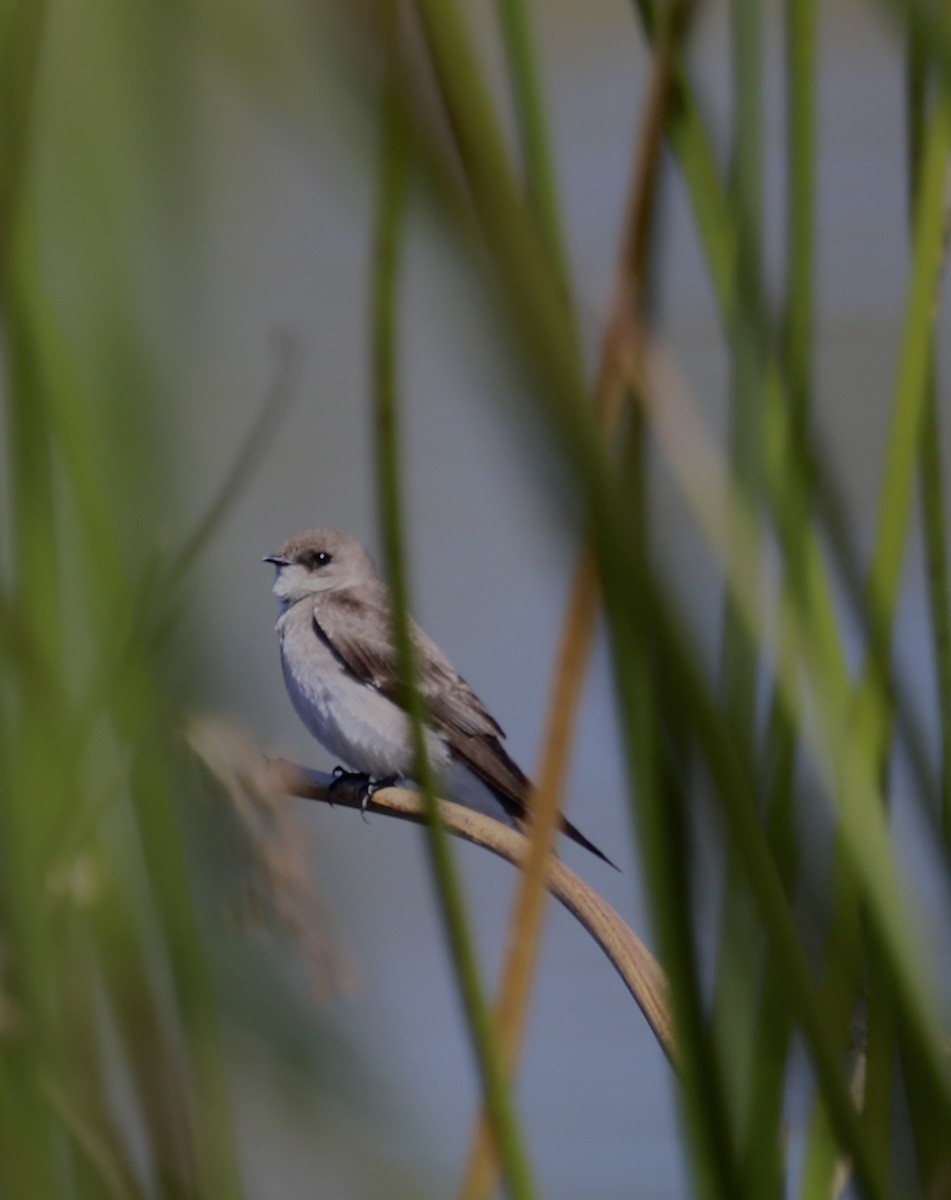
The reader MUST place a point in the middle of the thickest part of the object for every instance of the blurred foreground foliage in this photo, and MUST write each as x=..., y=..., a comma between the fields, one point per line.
x=113, y=1073
x=112, y=1076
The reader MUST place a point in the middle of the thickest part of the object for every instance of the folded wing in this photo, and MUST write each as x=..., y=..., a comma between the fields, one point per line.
x=357, y=628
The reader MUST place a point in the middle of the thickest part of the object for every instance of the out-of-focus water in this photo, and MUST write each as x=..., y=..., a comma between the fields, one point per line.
x=291, y=199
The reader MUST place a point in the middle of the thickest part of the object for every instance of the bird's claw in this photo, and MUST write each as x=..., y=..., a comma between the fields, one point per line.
x=342, y=778
x=371, y=787
x=367, y=784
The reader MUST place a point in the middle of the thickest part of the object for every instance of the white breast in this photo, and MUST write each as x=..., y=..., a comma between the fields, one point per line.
x=357, y=724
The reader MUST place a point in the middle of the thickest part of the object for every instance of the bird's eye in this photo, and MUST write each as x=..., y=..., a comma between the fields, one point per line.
x=317, y=558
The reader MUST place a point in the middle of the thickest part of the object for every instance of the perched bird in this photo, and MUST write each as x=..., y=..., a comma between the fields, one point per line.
x=341, y=671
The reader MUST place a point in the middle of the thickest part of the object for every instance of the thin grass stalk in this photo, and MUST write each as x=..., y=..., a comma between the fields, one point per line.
x=28, y=1167
x=763, y=1163
x=581, y=613
x=22, y=27
x=881, y=1028
x=739, y=948
x=739, y=656
x=879, y=1053
x=933, y=516
x=656, y=798
x=801, y=171
x=911, y=386
x=845, y=963
x=658, y=815
x=540, y=178
x=469, y=109
x=36, y=1155
x=521, y=957
x=522, y=953
x=32, y=502
x=388, y=242
x=935, y=527
x=763, y=1166
x=822, y=1159
x=931, y=1148
x=928, y=21
x=929, y=1138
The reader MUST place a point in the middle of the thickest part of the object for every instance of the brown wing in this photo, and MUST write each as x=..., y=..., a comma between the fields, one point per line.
x=356, y=627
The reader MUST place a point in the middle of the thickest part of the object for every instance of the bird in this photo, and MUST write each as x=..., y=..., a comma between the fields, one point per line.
x=341, y=671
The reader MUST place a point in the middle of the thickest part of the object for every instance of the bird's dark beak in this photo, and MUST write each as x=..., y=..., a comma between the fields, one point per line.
x=276, y=560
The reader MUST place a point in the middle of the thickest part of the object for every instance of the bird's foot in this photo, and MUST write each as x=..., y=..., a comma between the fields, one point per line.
x=367, y=784
x=344, y=778
x=371, y=787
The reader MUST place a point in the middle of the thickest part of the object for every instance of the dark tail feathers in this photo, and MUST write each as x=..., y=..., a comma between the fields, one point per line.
x=577, y=836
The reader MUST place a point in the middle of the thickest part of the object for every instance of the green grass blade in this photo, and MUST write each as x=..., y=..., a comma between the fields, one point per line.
x=911, y=387
x=657, y=748
x=739, y=951
x=540, y=175
x=934, y=521
x=935, y=527
x=763, y=1167
x=389, y=235
x=739, y=653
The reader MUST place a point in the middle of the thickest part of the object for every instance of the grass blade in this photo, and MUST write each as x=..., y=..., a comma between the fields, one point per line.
x=389, y=232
